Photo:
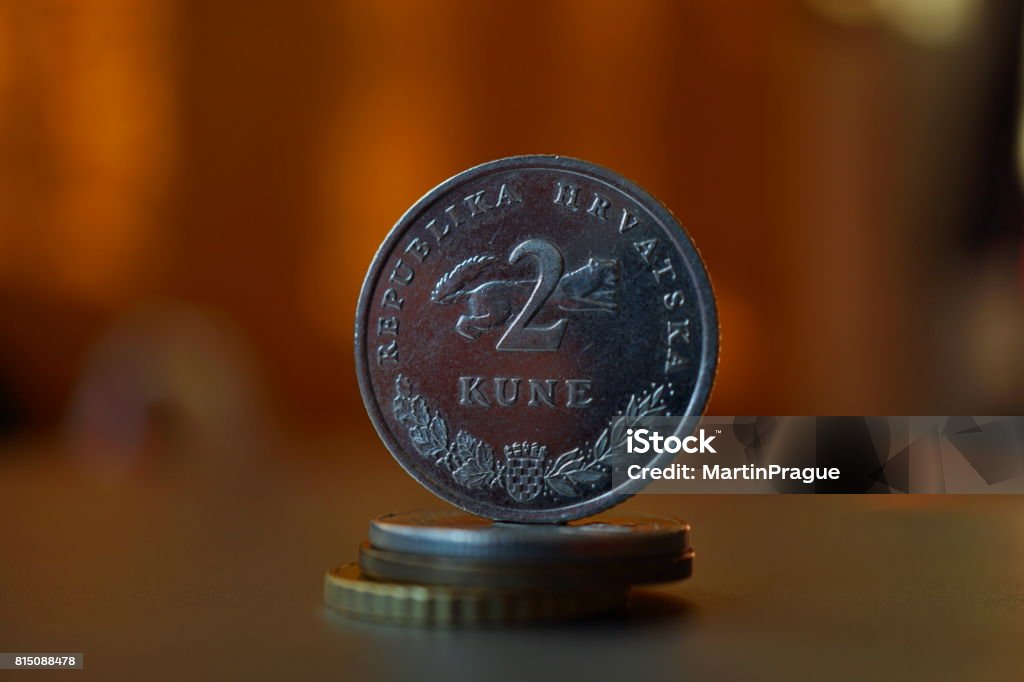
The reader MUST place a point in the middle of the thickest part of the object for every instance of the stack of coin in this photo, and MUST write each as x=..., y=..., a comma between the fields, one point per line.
x=516, y=325
x=449, y=568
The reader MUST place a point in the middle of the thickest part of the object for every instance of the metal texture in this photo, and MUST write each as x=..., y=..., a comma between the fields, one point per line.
x=348, y=591
x=382, y=564
x=512, y=315
x=456, y=535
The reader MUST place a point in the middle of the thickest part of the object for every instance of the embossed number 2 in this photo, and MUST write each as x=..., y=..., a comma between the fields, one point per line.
x=520, y=335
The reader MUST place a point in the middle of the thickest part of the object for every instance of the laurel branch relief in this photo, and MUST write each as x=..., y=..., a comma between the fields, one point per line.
x=525, y=472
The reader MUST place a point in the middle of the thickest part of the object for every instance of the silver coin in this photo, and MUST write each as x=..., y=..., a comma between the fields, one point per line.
x=509, y=320
x=451, y=534
x=382, y=564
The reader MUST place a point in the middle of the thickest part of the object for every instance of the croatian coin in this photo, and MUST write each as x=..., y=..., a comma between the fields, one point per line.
x=514, y=325
x=382, y=564
x=455, y=535
x=348, y=591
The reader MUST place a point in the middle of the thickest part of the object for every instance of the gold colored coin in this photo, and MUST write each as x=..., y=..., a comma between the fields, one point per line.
x=348, y=591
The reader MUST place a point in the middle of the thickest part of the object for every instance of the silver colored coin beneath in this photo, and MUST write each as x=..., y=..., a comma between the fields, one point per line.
x=517, y=321
x=348, y=591
x=381, y=564
x=457, y=535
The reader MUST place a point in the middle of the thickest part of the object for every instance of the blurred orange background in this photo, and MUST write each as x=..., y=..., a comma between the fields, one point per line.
x=190, y=192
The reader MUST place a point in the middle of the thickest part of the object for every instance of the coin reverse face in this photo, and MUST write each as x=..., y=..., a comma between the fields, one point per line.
x=510, y=320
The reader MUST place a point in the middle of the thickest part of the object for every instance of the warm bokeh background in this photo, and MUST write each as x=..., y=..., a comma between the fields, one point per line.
x=190, y=192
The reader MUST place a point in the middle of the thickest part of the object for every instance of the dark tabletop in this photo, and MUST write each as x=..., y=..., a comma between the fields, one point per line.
x=198, y=563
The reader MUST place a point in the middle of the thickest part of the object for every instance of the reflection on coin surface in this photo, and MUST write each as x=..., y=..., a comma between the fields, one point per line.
x=512, y=316
x=453, y=534
x=348, y=591
x=382, y=564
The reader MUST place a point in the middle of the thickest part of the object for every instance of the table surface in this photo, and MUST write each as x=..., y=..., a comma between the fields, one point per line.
x=196, y=563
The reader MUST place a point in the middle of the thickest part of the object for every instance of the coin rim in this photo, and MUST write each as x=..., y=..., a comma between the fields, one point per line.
x=501, y=542
x=680, y=239
x=348, y=591
x=382, y=564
